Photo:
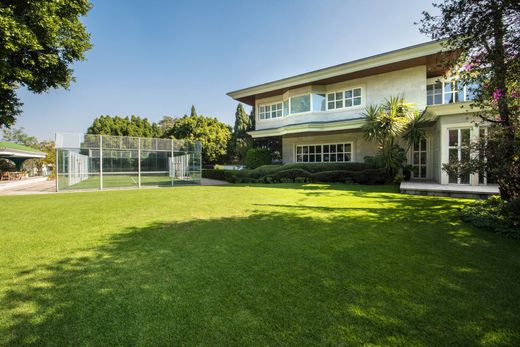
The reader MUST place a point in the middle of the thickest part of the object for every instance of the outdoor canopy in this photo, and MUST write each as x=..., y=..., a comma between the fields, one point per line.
x=18, y=153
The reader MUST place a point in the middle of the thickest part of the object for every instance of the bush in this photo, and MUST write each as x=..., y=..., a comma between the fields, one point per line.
x=369, y=176
x=221, y=175
x=257, y=157
x=494, y=215
x=291, y=174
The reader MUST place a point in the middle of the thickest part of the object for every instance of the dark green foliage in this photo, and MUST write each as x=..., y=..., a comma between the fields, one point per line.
x=221, y=175
x=494, y=214
x=39, y=41
x=318, y=167
x=212, y=133
x=292, y=174
x=124, y=126
x=257, y=157
x=6, y=165
x=241, y=141
x=369, y=176
x=486, y=36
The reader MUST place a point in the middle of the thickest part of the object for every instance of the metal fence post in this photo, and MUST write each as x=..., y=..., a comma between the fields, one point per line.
x=101, y=162
x=139, y=162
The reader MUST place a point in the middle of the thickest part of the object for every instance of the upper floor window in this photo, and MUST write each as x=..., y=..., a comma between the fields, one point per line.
x=300, y=104
x=270, y=111
x=343, y=99
x=448, y=92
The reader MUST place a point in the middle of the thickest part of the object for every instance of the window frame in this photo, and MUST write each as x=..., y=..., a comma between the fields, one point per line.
x=454, y=92
x=296, y=96
x=321, y=145
x=459, y=149
x=343, y=91
x=270, y=105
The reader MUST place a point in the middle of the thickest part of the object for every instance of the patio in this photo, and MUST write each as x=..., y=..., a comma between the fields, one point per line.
x=450, y=190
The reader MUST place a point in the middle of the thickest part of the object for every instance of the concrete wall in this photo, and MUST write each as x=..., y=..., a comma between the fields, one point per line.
x=409, y=83
x=361, y=147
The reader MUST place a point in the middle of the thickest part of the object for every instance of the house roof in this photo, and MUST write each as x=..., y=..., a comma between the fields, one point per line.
x=429, y=53
x=14, y=150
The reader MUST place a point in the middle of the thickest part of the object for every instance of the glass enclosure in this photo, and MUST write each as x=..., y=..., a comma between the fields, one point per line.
x=86, y=161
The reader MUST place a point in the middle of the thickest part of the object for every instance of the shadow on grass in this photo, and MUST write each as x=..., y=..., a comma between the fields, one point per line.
x=395, y=275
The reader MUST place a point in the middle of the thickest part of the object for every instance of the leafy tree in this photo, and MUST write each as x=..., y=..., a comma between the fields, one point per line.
x=252, y=119
x=49, y=148
x=166, y=123
x=241, y=141
x=213, y=134
x=389, y=122
x=39, y=41
x=127, y=126
x=20, y=137
x=485, y=34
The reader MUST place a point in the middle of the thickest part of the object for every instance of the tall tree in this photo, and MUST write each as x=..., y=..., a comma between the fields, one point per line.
x=127, y=126
x=485, y=35
x=193, y=112
x=241, y=141
x=213, y=134
x=39, y=41
x=20, y=137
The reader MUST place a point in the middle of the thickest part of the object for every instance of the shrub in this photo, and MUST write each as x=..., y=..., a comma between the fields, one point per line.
x=291, y=174
x=495, y=215
x=257, y=157
x=221, y=175
x=369, y=176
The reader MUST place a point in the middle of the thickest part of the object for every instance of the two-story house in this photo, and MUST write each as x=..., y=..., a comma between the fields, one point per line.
x=319, y=114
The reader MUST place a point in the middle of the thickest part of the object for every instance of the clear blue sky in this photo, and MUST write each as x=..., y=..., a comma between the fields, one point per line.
x=156, y=58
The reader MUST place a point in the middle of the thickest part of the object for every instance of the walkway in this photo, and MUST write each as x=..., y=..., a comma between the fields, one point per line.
x=452, y=190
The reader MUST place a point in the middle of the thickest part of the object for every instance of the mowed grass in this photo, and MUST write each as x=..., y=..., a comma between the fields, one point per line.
x=261, y=265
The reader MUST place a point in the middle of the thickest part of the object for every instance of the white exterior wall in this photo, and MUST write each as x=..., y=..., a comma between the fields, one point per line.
x=409, y=83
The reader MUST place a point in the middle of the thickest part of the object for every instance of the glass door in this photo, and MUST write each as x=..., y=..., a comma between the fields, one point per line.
x=458, y=150
x=420, y=159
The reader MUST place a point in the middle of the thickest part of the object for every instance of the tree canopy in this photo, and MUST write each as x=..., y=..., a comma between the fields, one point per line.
x=241, y=141
x=124, y=126
x=485, y=35
x=39, y=41
x=213, y=134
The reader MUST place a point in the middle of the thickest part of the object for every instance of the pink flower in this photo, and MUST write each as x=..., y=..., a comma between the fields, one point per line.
x=497, y=94
x=515, y=95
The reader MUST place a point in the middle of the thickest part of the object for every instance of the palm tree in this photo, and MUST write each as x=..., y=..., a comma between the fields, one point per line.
x=386, y=123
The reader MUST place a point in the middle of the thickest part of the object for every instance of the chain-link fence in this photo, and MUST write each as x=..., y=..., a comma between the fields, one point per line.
x=86, y=161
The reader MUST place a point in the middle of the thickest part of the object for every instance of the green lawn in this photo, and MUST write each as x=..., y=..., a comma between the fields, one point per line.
x=261, y=265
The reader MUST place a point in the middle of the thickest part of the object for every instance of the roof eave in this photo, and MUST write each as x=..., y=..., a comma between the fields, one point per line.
x=402, y=54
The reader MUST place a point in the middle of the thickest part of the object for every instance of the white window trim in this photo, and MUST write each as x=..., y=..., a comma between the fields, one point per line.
x=427, y=164
x=343, y=90
x=443, y=82
x=459, y=148
x=352, y=154
x=300, y=113
x=270, y=118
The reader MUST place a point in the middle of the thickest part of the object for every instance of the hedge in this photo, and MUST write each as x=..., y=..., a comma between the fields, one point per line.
x=369, y=176
x=221, y=175
x=257, y=157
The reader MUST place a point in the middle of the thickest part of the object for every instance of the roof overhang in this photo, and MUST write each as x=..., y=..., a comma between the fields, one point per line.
x=309, y=127
x=430, y=54
x=434, y=111
x=15, y=153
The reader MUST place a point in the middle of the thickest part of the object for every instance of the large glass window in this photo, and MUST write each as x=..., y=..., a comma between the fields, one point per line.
x=344, y=99
x=337, y=152
x=300, y=104
x=270, y=111
x=318, y=102
x=449, y=92
x=458, y=150
x=434, y=93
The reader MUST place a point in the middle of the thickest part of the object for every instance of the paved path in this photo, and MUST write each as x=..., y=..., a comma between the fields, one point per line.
x=29, y=186
x=210, y=182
